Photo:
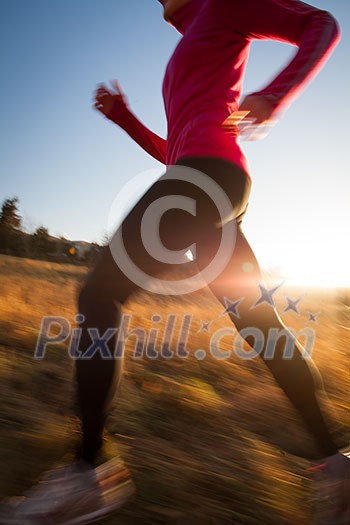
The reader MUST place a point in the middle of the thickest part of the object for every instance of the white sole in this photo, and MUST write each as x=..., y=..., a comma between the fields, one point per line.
x=98, y=515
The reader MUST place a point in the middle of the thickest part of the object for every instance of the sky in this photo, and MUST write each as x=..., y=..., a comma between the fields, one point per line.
x=67, y=164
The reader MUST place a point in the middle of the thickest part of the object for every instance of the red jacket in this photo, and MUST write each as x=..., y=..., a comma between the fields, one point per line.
x=203, y=79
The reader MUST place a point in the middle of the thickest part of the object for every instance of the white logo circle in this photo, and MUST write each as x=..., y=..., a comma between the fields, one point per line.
x=149, y=229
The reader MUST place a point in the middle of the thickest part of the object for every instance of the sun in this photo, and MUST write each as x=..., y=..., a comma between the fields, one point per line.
x=323, y=266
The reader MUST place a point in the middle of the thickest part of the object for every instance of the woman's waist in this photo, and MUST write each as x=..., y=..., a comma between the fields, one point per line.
x=201, y=133
x=202, y=127
x=207, y=141
x=213, y=119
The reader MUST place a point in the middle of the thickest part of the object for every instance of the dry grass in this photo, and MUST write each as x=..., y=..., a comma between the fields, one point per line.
x=207, y=441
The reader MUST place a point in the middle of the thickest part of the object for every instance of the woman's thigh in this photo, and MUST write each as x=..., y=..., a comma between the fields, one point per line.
x=174, y=215
x=241, y=276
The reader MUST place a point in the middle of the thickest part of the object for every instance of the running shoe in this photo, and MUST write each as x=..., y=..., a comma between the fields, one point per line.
x=77, y=494
x=331, y=495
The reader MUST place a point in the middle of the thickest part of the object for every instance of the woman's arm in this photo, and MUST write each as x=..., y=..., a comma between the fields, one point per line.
x=152, y=143
x=314, y=31
x=115, y=108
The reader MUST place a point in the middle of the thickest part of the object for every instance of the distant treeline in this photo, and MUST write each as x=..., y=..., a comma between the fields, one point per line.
x=40, y=244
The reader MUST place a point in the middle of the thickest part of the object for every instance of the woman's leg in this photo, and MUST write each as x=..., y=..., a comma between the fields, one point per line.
x=107, y=288
x=298, y=377
x=98, y=377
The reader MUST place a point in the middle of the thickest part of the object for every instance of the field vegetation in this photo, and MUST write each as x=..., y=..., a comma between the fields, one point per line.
x=207, y=441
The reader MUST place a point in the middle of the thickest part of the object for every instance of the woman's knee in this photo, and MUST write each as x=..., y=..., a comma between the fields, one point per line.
x=96, y=298
x=105, y=284
x=87, y=293
x=298, y=373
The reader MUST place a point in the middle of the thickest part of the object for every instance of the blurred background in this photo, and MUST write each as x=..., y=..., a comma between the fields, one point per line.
x=67, y=164
x=207, y=441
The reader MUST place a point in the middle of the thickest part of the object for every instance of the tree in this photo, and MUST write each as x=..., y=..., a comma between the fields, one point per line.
x=11, y=238
x=9, y=217
x=41, y=241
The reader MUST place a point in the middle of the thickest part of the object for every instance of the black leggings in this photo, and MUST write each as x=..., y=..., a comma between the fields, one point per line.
x=107, y=288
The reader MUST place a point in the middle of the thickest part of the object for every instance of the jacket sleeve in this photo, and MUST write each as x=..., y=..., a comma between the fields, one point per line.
x=315, y=32
x=149, y=141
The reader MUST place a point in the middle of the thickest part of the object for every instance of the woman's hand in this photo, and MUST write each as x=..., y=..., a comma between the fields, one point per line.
x=254, y=118
x=259, y=109
x=107, y=100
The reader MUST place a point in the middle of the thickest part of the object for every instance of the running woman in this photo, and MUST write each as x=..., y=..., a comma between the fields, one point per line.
x=202, y=88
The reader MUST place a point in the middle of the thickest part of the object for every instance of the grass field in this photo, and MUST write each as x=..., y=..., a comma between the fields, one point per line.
x=206, y=441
